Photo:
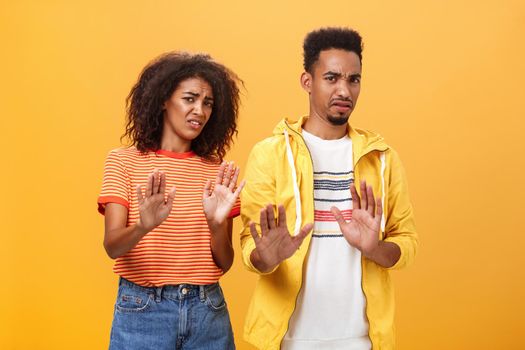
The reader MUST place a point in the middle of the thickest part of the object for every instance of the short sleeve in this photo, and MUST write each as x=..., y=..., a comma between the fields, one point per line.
x=116, y=185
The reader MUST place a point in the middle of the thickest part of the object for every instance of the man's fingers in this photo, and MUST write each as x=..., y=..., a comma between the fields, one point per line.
x=271, y=216
x=282, y=216
x=303, y=232
x=338, y=216
x=254, y=232
x=364, y=203
x=206, y=190
x=371, y=202
x=356, y=204
x=379, y=205
x=263, y=221
x=140, y=197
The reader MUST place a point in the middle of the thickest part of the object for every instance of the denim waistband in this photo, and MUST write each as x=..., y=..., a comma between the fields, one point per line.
x=178, y=291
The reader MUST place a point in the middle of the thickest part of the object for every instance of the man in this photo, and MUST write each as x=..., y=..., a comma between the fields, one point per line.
x=330, y=289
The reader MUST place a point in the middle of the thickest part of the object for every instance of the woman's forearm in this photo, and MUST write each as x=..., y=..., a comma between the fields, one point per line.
x=118, y=242
x=221, y=244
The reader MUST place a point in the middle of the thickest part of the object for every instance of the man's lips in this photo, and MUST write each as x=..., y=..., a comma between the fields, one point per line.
x=342, y=106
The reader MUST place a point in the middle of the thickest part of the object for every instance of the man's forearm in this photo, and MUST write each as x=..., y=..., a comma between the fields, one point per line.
x=386, y=254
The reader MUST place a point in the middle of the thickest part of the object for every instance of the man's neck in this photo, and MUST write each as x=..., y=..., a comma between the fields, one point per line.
x=324, y=129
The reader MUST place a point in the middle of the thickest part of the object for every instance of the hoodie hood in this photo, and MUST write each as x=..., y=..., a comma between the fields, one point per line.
x=363, y=141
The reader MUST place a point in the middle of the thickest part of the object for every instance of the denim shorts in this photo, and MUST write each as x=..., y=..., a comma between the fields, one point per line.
x=181, y=316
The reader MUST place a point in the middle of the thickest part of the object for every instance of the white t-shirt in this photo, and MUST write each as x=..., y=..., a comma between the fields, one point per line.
x=330, y=308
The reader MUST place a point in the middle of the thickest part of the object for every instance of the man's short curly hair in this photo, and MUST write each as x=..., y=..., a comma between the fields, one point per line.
x=156, y=84
x=330, y=38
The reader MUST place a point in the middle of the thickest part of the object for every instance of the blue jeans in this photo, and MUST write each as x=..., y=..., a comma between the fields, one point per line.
x=171, y=317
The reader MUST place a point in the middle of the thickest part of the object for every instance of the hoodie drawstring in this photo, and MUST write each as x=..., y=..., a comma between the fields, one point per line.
x=383, y=166
x=297, y=196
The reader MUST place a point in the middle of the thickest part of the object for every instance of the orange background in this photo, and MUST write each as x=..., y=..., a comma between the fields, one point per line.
x=442, y=82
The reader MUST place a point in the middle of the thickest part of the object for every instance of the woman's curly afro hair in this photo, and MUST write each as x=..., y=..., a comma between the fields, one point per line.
x=156, y=84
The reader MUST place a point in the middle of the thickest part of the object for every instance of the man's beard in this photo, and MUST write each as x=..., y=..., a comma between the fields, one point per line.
x=338, y=120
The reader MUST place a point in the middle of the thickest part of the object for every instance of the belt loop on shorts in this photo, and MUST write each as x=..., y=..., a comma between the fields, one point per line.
x=202, y=293
x=158, y=294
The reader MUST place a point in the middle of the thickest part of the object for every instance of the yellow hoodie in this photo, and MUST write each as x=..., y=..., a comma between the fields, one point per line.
x=279, y=171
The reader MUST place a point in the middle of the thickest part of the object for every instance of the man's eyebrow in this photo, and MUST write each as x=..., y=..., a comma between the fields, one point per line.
x=336, y=74
x=332, y=73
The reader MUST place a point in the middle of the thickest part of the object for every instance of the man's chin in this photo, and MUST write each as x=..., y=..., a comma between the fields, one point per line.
x=337, y=121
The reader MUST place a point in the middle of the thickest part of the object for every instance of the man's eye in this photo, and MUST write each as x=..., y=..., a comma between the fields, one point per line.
x=355, y=80
x=330, y=78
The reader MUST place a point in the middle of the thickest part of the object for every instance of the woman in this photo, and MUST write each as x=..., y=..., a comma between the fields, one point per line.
x=168, y=202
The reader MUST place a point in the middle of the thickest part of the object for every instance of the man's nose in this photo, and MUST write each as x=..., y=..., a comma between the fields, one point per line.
x=343, y=90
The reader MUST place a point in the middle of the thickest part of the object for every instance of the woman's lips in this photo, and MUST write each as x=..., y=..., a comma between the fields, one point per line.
x=194, y=124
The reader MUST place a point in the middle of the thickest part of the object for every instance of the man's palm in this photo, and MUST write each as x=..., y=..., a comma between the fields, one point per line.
x=275, y=243
x=362, y=231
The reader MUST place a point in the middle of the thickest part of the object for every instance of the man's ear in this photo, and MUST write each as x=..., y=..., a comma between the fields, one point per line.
x=306, y=81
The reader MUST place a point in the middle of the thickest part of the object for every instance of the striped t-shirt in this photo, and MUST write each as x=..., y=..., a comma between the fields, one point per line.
x=330, y=309
x=178, y=250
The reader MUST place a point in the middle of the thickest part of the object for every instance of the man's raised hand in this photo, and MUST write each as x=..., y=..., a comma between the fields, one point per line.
x=274, y=243
x=362, y=231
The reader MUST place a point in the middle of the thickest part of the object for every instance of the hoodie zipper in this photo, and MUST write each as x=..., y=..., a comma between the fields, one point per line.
x=362, y=258
x=302, y=267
